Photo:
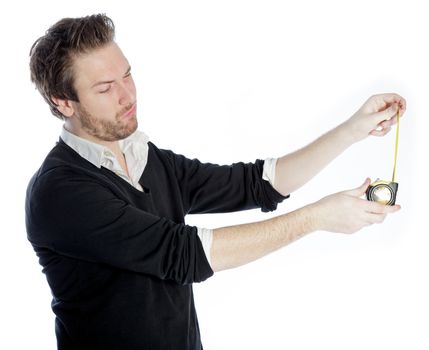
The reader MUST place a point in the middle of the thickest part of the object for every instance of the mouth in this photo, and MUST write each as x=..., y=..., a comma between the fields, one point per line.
x=131, y=112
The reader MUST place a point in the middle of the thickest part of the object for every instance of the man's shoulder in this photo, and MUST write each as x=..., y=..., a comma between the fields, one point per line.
x=61, y=162
x=159, y=155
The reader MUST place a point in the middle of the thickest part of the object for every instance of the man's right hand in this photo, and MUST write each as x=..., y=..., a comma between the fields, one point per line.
x=342, y=212
x=346, y=212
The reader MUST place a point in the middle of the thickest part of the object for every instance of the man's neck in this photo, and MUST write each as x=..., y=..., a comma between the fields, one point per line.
x=112, y=145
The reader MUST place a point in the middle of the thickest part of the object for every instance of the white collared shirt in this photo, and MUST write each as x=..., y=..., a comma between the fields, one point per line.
x=135, y=149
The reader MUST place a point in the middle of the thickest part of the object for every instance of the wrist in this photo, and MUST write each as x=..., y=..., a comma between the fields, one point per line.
x=348, y=133
x=309, y=217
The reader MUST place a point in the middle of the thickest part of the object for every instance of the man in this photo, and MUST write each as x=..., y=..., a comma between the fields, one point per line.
x=105, y=212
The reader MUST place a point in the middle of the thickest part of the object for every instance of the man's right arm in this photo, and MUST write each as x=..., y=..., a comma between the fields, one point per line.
x=342, y=212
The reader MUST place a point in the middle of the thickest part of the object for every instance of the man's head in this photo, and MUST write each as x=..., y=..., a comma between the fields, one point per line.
x=85, y=78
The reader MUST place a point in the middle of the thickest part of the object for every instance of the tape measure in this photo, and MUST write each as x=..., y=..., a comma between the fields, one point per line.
x=383, y=191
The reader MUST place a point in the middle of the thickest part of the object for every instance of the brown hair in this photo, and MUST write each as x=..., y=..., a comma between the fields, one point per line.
x=51, y=56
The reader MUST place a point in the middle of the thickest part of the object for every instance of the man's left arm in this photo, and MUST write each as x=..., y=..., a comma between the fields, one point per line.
x=375, y=117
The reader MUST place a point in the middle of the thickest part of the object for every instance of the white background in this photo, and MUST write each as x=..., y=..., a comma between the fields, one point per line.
x=234, y=80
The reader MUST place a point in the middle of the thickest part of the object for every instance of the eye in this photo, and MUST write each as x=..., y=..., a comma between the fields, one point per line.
x=104, y=90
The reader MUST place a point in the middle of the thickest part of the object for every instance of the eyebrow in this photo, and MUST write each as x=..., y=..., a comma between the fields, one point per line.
x=110, y=81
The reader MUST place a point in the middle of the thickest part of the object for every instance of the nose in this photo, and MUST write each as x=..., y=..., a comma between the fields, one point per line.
x=127, y=93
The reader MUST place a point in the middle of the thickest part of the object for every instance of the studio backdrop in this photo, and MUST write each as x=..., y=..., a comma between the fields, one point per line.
x=228, y=81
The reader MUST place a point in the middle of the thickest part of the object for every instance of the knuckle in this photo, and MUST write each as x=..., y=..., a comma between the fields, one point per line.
x=381, y=208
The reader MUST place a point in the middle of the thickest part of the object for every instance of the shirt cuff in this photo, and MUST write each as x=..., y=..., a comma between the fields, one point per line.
x=206, y=237
x=269, y=171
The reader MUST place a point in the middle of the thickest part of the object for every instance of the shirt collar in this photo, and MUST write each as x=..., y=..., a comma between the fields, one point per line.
x=135, y=145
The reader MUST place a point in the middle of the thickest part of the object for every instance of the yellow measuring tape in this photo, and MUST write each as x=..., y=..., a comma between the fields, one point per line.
x=396, y=147
x=382, y=191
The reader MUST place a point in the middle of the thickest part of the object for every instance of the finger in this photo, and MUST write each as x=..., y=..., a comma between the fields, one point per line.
x=378, y=208
x=388, y=123
x=359, y=191
x=375, y=207
x=387, y=99
x=402, y=106
x=372, y=218
x=392, y=121
x=386, y=113
x=380, y=132
x=389, y=209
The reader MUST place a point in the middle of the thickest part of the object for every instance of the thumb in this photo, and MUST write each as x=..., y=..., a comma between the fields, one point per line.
x=386, y=114
x=359, y=191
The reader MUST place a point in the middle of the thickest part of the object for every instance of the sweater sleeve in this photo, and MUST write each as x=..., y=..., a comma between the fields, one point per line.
x=212, y=188
x=78, y=217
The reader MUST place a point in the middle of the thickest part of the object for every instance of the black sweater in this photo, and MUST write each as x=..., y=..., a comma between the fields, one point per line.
x=121, y=262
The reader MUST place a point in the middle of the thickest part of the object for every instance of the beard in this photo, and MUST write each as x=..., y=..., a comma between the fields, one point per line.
x=107, y=130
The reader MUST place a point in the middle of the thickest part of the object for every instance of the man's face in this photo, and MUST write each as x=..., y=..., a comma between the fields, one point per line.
x=107, y=107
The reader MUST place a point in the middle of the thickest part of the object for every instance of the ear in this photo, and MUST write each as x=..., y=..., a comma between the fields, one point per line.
x=64, y=106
